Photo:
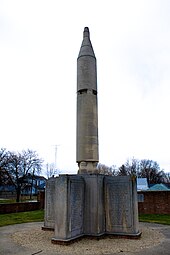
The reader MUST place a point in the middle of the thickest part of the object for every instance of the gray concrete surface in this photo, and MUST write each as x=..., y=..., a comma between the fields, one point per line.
x=9, y=247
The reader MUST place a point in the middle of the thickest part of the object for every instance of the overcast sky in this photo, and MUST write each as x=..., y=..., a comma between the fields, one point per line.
x=39, y=45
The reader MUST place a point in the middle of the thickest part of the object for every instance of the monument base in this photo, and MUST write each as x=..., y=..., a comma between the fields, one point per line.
x=93, y=205
x=95, y=237
x=66, y=241
x=47, y=229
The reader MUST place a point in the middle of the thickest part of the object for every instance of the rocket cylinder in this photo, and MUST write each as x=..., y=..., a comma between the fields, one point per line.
x=87, y=155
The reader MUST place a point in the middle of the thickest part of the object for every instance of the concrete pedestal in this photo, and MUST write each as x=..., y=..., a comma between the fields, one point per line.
x=69, y=207
x=93, y=205
x=121, y=206
x=50, y=200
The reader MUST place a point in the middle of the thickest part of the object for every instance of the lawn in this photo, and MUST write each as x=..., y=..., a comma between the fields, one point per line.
x=38, y=215
x=7, y=201
x=155, y=218
x=13, y=200
x=21, y=217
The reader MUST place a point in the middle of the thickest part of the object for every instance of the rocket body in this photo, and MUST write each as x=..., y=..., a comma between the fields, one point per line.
x=87, y=155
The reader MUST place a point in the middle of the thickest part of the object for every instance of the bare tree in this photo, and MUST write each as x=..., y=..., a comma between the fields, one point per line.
x=19, y=166
x=51, y=170
x=106, y=170
x=3, y=163
x=131, y=167
x=143, y=168
x=150, y=169
x=114, y=170
x=167, y=178
x=32, y=165
x=122, y=171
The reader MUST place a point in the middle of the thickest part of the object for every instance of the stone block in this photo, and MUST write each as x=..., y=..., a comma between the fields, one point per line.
x=94, y=220
x=121, y=205
x=50, y=200
x=69, y=207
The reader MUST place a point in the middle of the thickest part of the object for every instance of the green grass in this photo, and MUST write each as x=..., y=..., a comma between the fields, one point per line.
x=155, y=218
x=21, y=217
x=38, y=215
x=7, y=201
x=13, y=200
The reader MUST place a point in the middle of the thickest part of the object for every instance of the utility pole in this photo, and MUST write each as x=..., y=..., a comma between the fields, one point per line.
x=55, y=156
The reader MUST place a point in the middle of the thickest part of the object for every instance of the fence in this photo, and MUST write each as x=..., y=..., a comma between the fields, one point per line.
x=19, y=207
x=23, y=206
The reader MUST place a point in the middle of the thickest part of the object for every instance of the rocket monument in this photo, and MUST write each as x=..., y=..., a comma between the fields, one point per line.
x=89, y=203
x=87, y=155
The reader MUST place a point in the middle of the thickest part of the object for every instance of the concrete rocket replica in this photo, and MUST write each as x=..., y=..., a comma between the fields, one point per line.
x=87, y=111
x=89, y=204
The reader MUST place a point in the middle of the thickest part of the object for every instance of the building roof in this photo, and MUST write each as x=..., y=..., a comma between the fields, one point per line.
x=39, y=177
x=158, y=187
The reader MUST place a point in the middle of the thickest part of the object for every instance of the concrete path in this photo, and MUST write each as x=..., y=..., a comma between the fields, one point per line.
x=9, y=247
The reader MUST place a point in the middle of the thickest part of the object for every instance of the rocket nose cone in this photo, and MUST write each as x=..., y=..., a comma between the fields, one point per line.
x=86, y=32
x=86, y=46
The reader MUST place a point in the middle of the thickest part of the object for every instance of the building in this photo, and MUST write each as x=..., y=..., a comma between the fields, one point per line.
x=32, y=185
x=142, y=184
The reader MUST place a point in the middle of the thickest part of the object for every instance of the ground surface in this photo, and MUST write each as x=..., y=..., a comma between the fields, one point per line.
x=29, y=239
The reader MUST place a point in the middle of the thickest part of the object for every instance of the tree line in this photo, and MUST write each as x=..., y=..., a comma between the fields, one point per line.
x=144, y=168
x=17, y=167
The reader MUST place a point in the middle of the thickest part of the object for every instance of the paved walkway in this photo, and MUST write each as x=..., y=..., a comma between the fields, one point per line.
x=9, y=247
